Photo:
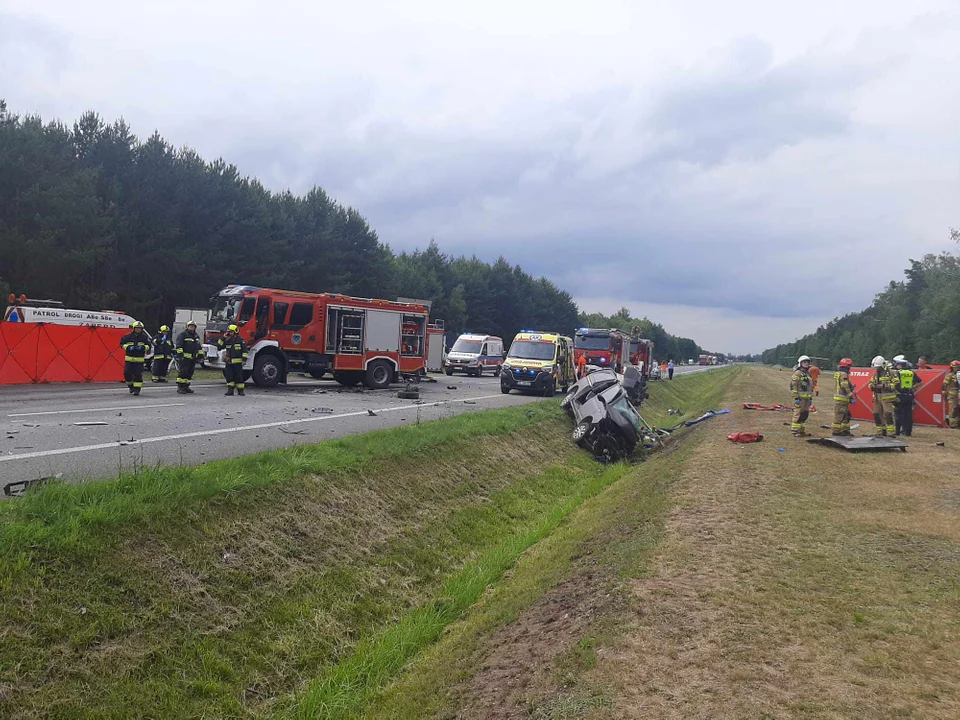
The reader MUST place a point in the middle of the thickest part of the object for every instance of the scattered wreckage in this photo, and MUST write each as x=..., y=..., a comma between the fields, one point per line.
x=604, y=407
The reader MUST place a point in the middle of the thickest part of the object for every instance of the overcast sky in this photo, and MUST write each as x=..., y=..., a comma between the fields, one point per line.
x=739, y=171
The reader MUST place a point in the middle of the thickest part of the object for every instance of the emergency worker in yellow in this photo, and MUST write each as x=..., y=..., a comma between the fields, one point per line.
x=162, y=354
x=135, y=346
x=189, y=347
x=235, y=355
x=903, y=414
x=951, y=393
x=801, y=386
x=843, y=398
x=884, y=384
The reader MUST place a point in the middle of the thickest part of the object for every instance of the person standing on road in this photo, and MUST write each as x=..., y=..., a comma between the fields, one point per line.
x=162, y=354
x=670, y=368
x=903, y=413
x=843, y=398
x=135, y=345
x=188, y=353
x=951, y=393
x=235, y=355
x=582, y=367
x=884, y=385
x=801, y=385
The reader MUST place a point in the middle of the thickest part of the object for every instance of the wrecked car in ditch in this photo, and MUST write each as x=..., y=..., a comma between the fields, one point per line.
x=602, y=407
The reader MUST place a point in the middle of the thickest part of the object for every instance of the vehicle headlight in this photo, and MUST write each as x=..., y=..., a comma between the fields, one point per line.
x=548, y=368
x=506, y=365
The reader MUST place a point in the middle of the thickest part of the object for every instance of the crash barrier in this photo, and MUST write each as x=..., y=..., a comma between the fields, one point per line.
x=928, y=398
x=43, y=353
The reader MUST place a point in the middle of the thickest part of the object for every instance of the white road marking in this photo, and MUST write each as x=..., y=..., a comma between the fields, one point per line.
x=102, y=409
x=222, y=431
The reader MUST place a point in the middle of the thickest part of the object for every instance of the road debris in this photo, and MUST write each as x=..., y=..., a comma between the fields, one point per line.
x=322, y=410
x=292, y=432
x=90, y=423
x=371, y=413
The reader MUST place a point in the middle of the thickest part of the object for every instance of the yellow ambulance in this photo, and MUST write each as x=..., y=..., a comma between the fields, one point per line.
x=539, y=362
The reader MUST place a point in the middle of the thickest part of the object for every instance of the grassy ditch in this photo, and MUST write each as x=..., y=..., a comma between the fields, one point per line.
x=290, y=582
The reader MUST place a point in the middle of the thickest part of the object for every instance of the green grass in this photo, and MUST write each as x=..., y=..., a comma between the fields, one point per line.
x=297, y=581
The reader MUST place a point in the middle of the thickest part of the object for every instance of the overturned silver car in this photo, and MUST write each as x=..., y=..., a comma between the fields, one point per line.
x=603, y=409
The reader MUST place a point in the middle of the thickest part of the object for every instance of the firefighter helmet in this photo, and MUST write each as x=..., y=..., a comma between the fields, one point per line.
x=191, y=323
x=878, y=361
x=955, y=364
x=137, y=324
x=846, y=362
x=164, y=328
x=803, y=358
x=233, y=328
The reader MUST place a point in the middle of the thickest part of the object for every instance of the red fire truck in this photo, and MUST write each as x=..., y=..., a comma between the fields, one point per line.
x=356, y=339
x=641, y=354
x=603, y=347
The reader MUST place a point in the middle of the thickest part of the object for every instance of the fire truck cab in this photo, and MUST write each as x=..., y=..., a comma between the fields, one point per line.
x=602, y=347
x=356, y=339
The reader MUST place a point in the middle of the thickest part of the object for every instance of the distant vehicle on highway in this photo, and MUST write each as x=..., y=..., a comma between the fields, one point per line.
x=474, y=354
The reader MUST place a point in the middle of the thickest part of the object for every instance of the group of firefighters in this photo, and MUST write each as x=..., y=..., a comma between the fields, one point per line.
x=892, y=384
x=187, y=349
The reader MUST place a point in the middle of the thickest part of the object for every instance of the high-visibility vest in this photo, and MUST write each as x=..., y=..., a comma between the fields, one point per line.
x=906, y=379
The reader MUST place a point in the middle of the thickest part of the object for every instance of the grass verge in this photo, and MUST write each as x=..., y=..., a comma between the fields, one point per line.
x=311, y=573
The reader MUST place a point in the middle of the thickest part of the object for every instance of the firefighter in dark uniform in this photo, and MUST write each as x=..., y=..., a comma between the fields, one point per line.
x=135, y=346
x=235, y=355
x=162, y=354
x=903, y=412
x=188, y=353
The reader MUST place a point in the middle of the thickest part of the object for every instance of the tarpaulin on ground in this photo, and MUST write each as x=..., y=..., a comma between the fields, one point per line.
x=928, y=399
x=745, y=437
x=42, y=353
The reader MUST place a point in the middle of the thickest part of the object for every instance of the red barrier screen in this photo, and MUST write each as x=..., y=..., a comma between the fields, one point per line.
x=928, y=407
x=42, y=353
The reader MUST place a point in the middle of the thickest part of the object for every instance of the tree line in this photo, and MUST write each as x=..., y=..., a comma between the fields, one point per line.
x=918, y=316
x=94, y=217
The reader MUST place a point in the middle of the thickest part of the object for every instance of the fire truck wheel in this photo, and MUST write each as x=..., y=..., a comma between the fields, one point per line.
x=317, y=374
x=379, y=375
x=267, y=370
x=348, y=378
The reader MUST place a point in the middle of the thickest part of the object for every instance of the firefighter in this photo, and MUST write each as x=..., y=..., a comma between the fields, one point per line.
x=884, y=385
x=188, y=353
x=801, y=385
x=951, y=393
x=135, y=345
x=843, y=397
x=162, y=354
x=903, y=413
x=235, y=355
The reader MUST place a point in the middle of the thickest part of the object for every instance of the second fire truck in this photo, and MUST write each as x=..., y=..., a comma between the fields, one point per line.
x=355, y=339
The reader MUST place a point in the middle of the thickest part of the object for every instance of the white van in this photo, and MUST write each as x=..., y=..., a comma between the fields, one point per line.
x=474, y=354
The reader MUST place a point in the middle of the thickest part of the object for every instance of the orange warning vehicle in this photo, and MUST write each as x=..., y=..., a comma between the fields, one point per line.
x=356, y=339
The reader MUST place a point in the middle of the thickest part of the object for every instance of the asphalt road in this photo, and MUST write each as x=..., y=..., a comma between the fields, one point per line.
x=96, y=431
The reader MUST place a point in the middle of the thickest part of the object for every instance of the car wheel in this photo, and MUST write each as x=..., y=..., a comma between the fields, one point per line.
x=266, y=370
x=448, y=371
x=550, y=389
x=479, y=371
x=379, y=375
x=504, y=389
x=580, y=433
